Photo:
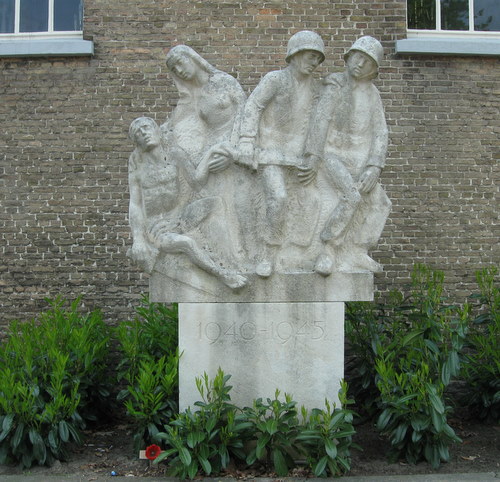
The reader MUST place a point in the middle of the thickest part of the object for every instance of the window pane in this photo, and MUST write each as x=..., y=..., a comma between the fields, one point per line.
x=422, y=14
x=455, y=14
x=6, y=16
x=487, y=15
x=34, y=16
x=68, y=14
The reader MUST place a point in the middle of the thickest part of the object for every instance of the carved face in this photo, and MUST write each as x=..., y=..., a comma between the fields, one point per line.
x=361, y=66
x=183, y=67
x=306, y=61
x=147, y=136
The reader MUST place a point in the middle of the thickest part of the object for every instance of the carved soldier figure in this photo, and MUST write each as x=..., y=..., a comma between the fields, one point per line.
x=158, y=221
x=349, y=135
x=274, y=127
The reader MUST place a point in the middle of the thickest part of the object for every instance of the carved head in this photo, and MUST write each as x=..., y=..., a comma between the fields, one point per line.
x=184, y=62
x=369, y=48
x=305, y=40
x=145, y=133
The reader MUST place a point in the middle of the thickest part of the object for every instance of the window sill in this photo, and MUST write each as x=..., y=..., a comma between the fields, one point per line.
x=37, y=47
x=449, y=46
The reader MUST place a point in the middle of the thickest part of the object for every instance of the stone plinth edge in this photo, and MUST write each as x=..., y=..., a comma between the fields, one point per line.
x=279, y=288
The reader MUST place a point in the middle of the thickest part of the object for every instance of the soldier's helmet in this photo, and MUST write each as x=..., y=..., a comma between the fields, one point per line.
x=305, y=40
x=369, y=46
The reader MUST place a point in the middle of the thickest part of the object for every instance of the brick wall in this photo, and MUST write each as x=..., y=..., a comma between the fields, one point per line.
x=64, y=147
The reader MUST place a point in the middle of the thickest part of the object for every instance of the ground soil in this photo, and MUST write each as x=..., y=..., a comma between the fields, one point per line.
x=109, y=449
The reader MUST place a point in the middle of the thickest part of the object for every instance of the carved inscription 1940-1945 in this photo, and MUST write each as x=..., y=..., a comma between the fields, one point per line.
x=237, y=198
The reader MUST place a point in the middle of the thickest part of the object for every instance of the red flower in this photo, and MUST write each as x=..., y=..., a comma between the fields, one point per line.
x=152, y=452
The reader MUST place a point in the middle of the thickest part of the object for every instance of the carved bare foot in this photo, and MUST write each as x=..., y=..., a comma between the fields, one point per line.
x=234, y=280
x=359, y=262
x=324, y=265
x=264, y=269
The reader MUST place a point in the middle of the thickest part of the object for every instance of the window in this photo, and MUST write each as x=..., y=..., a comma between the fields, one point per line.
x=452, y=27
x=37, y=16
x=454, y=15
x=42, y=27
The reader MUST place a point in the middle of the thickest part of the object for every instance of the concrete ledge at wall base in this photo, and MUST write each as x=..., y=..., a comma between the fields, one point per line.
x=449, y=46
x=472, y=477
x=38, y=47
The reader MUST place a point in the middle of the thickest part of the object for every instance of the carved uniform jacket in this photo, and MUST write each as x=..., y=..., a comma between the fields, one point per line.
x=349, y=124
x=277, y=115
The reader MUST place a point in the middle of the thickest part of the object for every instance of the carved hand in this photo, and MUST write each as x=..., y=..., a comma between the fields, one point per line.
x=221, y=156
x=368, y=179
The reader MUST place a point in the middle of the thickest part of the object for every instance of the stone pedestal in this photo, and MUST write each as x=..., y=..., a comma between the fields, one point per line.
x=296, y=347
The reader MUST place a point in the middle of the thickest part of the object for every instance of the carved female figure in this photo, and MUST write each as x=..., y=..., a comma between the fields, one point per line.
x=208, y=106
x=202, y=125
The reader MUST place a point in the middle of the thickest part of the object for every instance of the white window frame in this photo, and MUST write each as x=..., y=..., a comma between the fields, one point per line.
x=439, y=32
x=49, y=42
x=450, y=42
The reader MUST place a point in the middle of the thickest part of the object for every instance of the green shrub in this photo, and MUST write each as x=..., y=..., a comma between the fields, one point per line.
x=268, y=432
x=415, y=367
x=150, y=400
x=482, y=363
x=148, y=367
x=325, y=437
x=51, y=371
x=369, y=325
x=275, y=426
x=205, y=439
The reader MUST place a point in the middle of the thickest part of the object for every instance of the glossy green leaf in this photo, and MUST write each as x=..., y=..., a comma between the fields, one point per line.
x=420, y=423
x=192, y=469
x=279, y=463
x=446, y=373
x=319, y=468
x=444, y=453
x=384, y=419
x=435, y=400
x=261, y=445
x=51, y=438
x=437, y=420
x=399, y=434
x=63, y=431
x=205, y=465
x=331, y=448
x=251, y=457
x=271, y=426
x=412, y=336
x=185, y=456
x=8, y=421
x=18, y=436
x=336, y=419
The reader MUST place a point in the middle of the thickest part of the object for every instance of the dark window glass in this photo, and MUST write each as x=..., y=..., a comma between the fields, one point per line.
x=34, y=16
x=7, y=16
x=455, y=14
x=487, y=15
x=68, y=15
x=422, y=14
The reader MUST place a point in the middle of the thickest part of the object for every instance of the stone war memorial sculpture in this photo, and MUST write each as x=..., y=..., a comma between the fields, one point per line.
x=257, y=215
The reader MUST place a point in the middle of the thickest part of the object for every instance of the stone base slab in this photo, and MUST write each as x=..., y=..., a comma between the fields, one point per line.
x=199, y=287
x=295, y=347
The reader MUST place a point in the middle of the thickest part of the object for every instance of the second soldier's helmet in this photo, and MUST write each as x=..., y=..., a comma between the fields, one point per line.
x=369, y=46
x=305, y=40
